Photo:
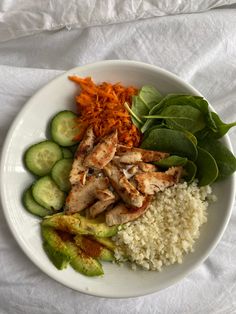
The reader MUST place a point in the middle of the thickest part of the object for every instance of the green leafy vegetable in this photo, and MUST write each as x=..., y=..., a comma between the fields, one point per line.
x=149, y=96
x=154, y=111
x=171, y=161
x=184, y=118
x=171, y=141
x=190, y=170
x=184, y=125
x=225, y=160
x=207, y=170
x=222, y=128
x=142, y=103
x=135, y=119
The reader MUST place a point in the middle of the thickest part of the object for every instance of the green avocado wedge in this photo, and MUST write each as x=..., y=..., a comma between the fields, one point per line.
x=59, y=260
x=62, y=250
x=93, y=248
x=83, y=263
x=77, y=224
x=55, y=248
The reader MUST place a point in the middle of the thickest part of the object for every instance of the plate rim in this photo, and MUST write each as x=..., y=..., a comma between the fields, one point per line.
x=4, y=201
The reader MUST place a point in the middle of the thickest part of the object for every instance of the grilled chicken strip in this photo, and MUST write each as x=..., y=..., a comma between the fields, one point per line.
x=79, y=171
x=132, y=155
x=122, y=186
x=121, y=214
x=103, y=152
x=151, y=182
x=106, y=195
x=105, y=199
x=141, y=167
x=82, y=196
x=101, y=205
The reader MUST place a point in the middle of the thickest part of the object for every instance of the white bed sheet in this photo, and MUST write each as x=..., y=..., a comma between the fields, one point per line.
x=199, y=47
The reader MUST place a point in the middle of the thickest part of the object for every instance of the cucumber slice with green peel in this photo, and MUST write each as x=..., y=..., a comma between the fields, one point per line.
x=46, y=192
x=61, y=172
x=65, y=129
x=32, y=206
x=41, y=157
x=66, y=152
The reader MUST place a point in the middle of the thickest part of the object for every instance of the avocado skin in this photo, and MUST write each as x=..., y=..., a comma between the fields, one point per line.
x=63, y=251
x=93, y=248
x=77, y=224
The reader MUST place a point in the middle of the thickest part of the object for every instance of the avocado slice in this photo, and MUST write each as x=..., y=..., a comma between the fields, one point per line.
x=83, y=263
x=107, y=242
x=55, y=248
x=93, y=248
x=77, y=224
x=61, y=250
x=59, y=260
x=96, y=227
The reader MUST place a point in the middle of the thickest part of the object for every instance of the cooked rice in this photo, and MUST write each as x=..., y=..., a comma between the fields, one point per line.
x=168, y=230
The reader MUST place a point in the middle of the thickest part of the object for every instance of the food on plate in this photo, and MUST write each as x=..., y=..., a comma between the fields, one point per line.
x=168, y=230
x=102, y=106
x=126, y=178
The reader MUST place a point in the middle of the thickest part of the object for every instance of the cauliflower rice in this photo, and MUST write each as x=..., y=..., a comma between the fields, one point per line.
x=168, y=229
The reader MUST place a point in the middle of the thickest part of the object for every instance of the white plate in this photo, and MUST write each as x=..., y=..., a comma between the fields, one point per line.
x=30, y=127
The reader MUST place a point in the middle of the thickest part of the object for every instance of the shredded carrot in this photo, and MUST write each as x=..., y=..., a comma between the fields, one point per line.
x=102, y=106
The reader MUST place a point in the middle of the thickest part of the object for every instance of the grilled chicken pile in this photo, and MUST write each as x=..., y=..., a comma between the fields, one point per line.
x=115, y=179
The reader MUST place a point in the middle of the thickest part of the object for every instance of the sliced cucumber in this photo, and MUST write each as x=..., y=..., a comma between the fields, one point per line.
x=65, y=128
x=32, y=206
x=41, y=157
x=46, y=192
x=60, y=173
x=67, y=153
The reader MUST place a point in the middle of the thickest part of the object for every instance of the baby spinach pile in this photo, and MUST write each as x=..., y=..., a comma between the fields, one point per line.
x=184, y=126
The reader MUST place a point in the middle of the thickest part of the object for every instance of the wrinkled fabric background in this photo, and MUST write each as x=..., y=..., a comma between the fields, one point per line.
x=194, y=39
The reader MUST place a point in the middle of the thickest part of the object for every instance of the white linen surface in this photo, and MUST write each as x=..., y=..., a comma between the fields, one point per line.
x=24, y=17
x=199, y=47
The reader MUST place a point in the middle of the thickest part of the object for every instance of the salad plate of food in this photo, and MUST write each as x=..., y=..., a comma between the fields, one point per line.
x=117, y=178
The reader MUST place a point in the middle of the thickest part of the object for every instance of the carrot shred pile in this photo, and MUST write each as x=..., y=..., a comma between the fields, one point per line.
x=102, y=106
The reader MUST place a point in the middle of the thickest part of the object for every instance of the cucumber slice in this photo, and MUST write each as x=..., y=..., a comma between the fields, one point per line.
x=65, y=129
x=66, y=153
x=41, y=157
x=47, y=194
x=61, y=172
x=32, y=206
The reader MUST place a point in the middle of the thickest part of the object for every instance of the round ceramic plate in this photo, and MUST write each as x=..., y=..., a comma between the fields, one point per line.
x=30, y=126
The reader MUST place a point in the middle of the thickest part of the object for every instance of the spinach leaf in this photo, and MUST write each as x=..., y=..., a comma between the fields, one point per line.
x=182, y=118
x=171, y=161
x=149, y=96
x=221, y=127
x=139, y=109
x=135, y=118
x=154, y=111
x=196, y=102
x=190, y=170
x=225, y=160
x=171, y=141
x=207, y=170
x=191, y=137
